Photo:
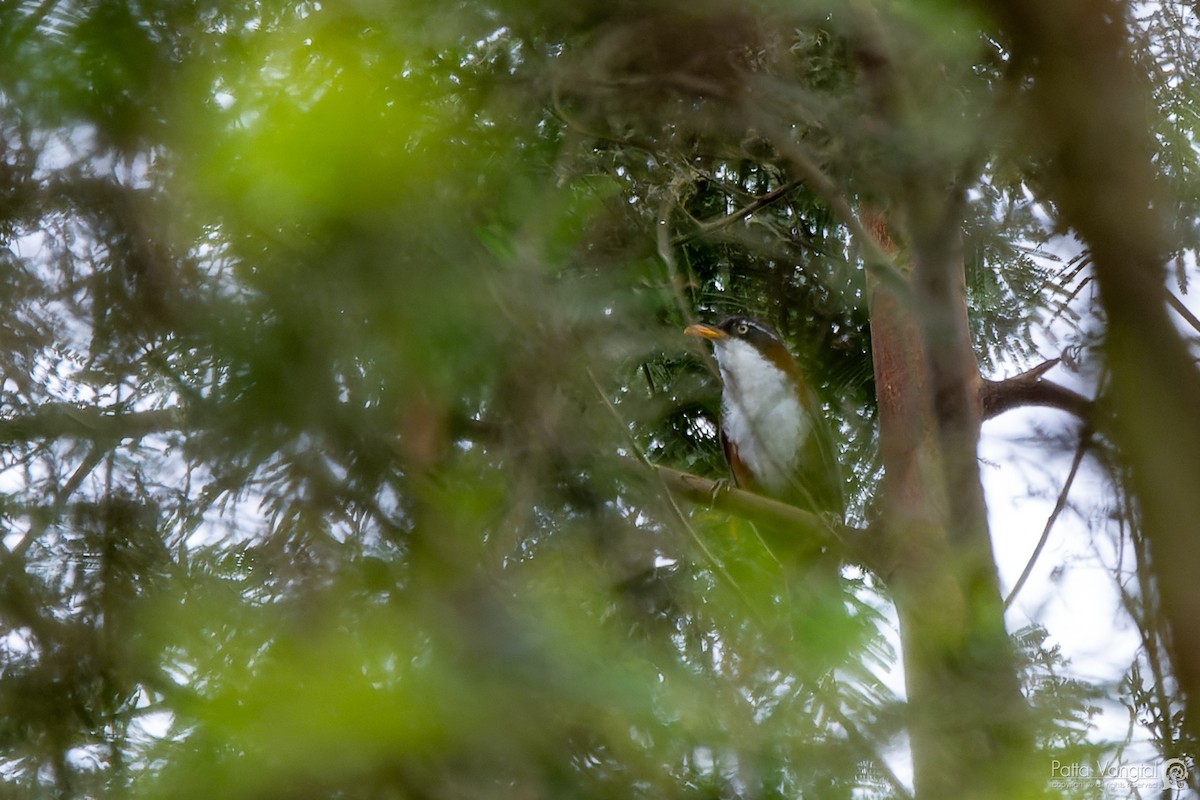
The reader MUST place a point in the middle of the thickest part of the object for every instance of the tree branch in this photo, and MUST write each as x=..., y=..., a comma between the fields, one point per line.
x=67, y=421
x=710, y=225
x=849, y=542
x=1183, y=311
x=1031, y=389
x=1058, y=509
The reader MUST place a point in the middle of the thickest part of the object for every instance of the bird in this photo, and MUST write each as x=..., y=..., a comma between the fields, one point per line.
x=778, y=443
x=775, y=438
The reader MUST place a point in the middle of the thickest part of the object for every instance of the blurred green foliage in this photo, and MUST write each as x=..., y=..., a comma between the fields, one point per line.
x=413, y=276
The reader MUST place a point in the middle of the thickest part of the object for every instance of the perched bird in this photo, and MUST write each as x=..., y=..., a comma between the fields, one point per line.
x=775, y=438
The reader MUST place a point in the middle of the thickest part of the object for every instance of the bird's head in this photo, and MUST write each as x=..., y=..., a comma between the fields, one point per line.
x=735, y=333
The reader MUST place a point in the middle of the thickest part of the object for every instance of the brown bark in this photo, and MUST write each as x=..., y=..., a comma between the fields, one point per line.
x=969, y=725
x=967, y=719
x=1030, y=388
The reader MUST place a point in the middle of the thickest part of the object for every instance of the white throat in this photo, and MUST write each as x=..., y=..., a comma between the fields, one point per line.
x=761, y=411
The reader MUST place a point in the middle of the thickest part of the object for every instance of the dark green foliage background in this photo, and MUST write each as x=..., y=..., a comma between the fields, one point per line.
x=387, y=300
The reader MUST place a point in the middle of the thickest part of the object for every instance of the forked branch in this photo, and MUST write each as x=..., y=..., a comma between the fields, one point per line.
x=1030, y=388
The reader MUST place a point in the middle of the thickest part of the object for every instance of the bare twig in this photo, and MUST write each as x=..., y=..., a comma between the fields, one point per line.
x=1058, y=508
x=662, y=236
x=43, y=521
x=708, y=226
x=1183, y=311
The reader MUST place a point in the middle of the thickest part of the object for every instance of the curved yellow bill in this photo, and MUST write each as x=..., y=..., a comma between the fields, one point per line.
x=705, y=331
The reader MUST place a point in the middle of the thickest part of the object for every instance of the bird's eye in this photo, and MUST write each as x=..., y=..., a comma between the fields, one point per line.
x=743, y=329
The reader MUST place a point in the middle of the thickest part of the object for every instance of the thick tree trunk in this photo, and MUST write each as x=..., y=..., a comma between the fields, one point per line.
x=968, y=720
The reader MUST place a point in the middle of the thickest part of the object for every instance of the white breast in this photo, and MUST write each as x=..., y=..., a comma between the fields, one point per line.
x=762, y=413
